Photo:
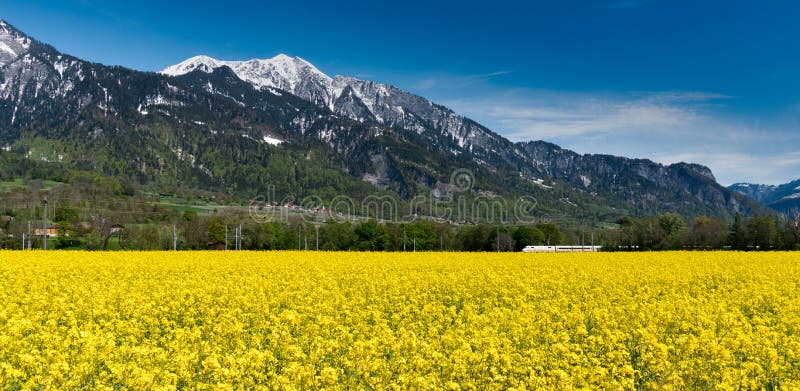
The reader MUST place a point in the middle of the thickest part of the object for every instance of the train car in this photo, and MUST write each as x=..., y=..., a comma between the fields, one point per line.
x=539, y=249
x=560, y=249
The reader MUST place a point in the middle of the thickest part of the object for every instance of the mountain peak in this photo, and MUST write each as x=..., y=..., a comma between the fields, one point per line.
x=201, y=62
x=203, y=58
x=13, y=42
x=283, y=57
x=292, y=74
x=282, y=61
x=8, y=29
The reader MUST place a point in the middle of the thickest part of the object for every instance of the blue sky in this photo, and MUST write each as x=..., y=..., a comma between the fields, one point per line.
x=712, y=82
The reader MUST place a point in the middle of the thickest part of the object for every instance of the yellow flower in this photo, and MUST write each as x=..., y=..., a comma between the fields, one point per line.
x=306, y=320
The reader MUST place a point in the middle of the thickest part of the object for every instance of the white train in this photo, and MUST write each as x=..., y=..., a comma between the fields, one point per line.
x=560, y=249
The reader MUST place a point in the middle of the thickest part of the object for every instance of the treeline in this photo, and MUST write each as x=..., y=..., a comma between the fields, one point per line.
x=670, y=231
x=141, y=225
x=236, y=230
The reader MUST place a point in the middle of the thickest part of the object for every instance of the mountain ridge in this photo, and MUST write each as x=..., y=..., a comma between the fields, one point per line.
x=784, y=198
x=211, y=128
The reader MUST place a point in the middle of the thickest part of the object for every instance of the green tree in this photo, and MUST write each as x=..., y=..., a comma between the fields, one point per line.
x=674, y=227
x=649, y=234
x=475, y=238
x=706, y=233
x=527, y=236
x=737, y=237
x=67, y=236
x=336, y=236
x=793, y=228
x=762, y=233
x=371, y=236
x=216, y=231
x=552, y=234
x=423, y=234
x=626, y=233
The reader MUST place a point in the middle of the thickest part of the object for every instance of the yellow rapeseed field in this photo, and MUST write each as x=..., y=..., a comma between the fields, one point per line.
x=301, y=320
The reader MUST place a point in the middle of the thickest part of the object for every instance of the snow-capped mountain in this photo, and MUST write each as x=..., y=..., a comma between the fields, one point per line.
x=784, y=198
x=758, y=192
x=360, y=100
x=283, y=72
x=32, y=71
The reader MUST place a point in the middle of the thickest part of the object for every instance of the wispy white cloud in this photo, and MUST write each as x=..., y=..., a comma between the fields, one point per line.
x=491, y=74
x=430, y=82
x=538, y=114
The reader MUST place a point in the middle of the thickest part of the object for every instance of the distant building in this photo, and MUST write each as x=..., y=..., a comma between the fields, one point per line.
x=216, y=246
x=50, y=230
x=116, y=228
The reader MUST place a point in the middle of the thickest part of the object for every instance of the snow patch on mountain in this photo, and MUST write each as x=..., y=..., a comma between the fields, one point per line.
x=160, y=100
x=272, y=140
x=5, y=48
x=265, y=139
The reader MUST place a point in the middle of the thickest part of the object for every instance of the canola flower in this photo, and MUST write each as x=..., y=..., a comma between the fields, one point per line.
x=306, y=320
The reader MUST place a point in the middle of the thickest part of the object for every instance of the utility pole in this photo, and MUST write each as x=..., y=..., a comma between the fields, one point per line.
x=44, y=225
x=240, y=237
x=236, y=238
x=226, y=237
x=316, y=235
x=23, y=240
x=497, y=237
x=404, y=238
x=29, y=235
x=174, y=238
x=415, y=244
